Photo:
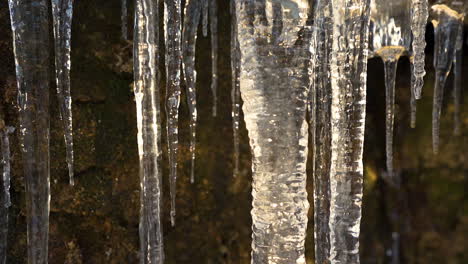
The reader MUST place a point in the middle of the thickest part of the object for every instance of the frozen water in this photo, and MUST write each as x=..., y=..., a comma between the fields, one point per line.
x=348, y=77
x=30, y=26
x=146, y=59
x=274, y=41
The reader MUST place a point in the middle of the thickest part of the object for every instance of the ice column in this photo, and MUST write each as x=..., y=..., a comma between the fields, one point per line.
x=348, y=77
x=274, y=39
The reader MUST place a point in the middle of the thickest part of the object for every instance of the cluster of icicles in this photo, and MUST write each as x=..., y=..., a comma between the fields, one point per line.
x=288, y=57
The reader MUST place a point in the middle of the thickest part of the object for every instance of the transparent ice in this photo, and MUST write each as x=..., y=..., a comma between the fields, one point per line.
x=30, y=26
x=173, y=40
x=320, y=103
x=146, y=60
x=274, y=41
x=391, y=39
x=62, y=11
x=447, y=23
x=348, y=77
x=5, y=198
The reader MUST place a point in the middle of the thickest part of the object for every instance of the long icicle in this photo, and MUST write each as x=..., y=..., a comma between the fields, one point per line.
x=205, y=14
x=6, y=200
x=319, y=113
x=420, y=13
x=124, y=19
x=390, y=65
x=172, y=35
x=274, y=84
x=446, y=26
x=214, y=52
x=457, y=83
x=30, y=24
x=235, y=89
x=5, y=139
x=189, y=39
x=348, y=76
x=146, y=61
x=62, y=11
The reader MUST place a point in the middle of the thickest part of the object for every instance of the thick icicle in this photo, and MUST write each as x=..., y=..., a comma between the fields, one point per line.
x=348, y=77
x=391, y=39
x=447, y=24
x=146, y=60
x=172, y=35
x=30, y=24
x=235, y=89
x=62, y=11
x=5, y=201
x=274, y=44
x=124, y=19
x=420, y=13
x=214, y=52
x=320, y=103
x=189, y=39
x=457, y=84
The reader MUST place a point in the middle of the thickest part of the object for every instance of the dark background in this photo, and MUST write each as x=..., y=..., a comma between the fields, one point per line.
x=96, y=221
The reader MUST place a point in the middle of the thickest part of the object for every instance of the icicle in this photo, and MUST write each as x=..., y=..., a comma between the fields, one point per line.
x=390, y=76
x=348, y=77
x=395, y=248
x=391, y=39
x=62, y=14
x=29, y=21
x=124, y=19
x=420, y=13
x=146, y=60
x=6, y=163
x=6, y=201
x=446, y=26
x=274, y=83
x=214, y=52
x=172, y=35
x=235, y=90
x=413, y=109
x=320, y=103
x=3, y=234
x=205, y=12
x=457, y=84
x=189, y=39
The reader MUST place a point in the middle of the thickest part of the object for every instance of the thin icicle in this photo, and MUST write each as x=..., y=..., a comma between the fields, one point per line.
x=413, y=109
x=348, y=77
x=457, y=84
x=274, y=84
x=30, y=24
x=320, y=103
x=6, y=200
x=172, y=35
x=446, y=26
x=391, y=39
x=420, y=13
x=189, y=39
x=146, y=60
x=214, y=52
x=205, y=13
x=3, y=234
x=390, y=65
x=5, y=138
x=235, y=89
x=62, y=11
x=124, y=19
